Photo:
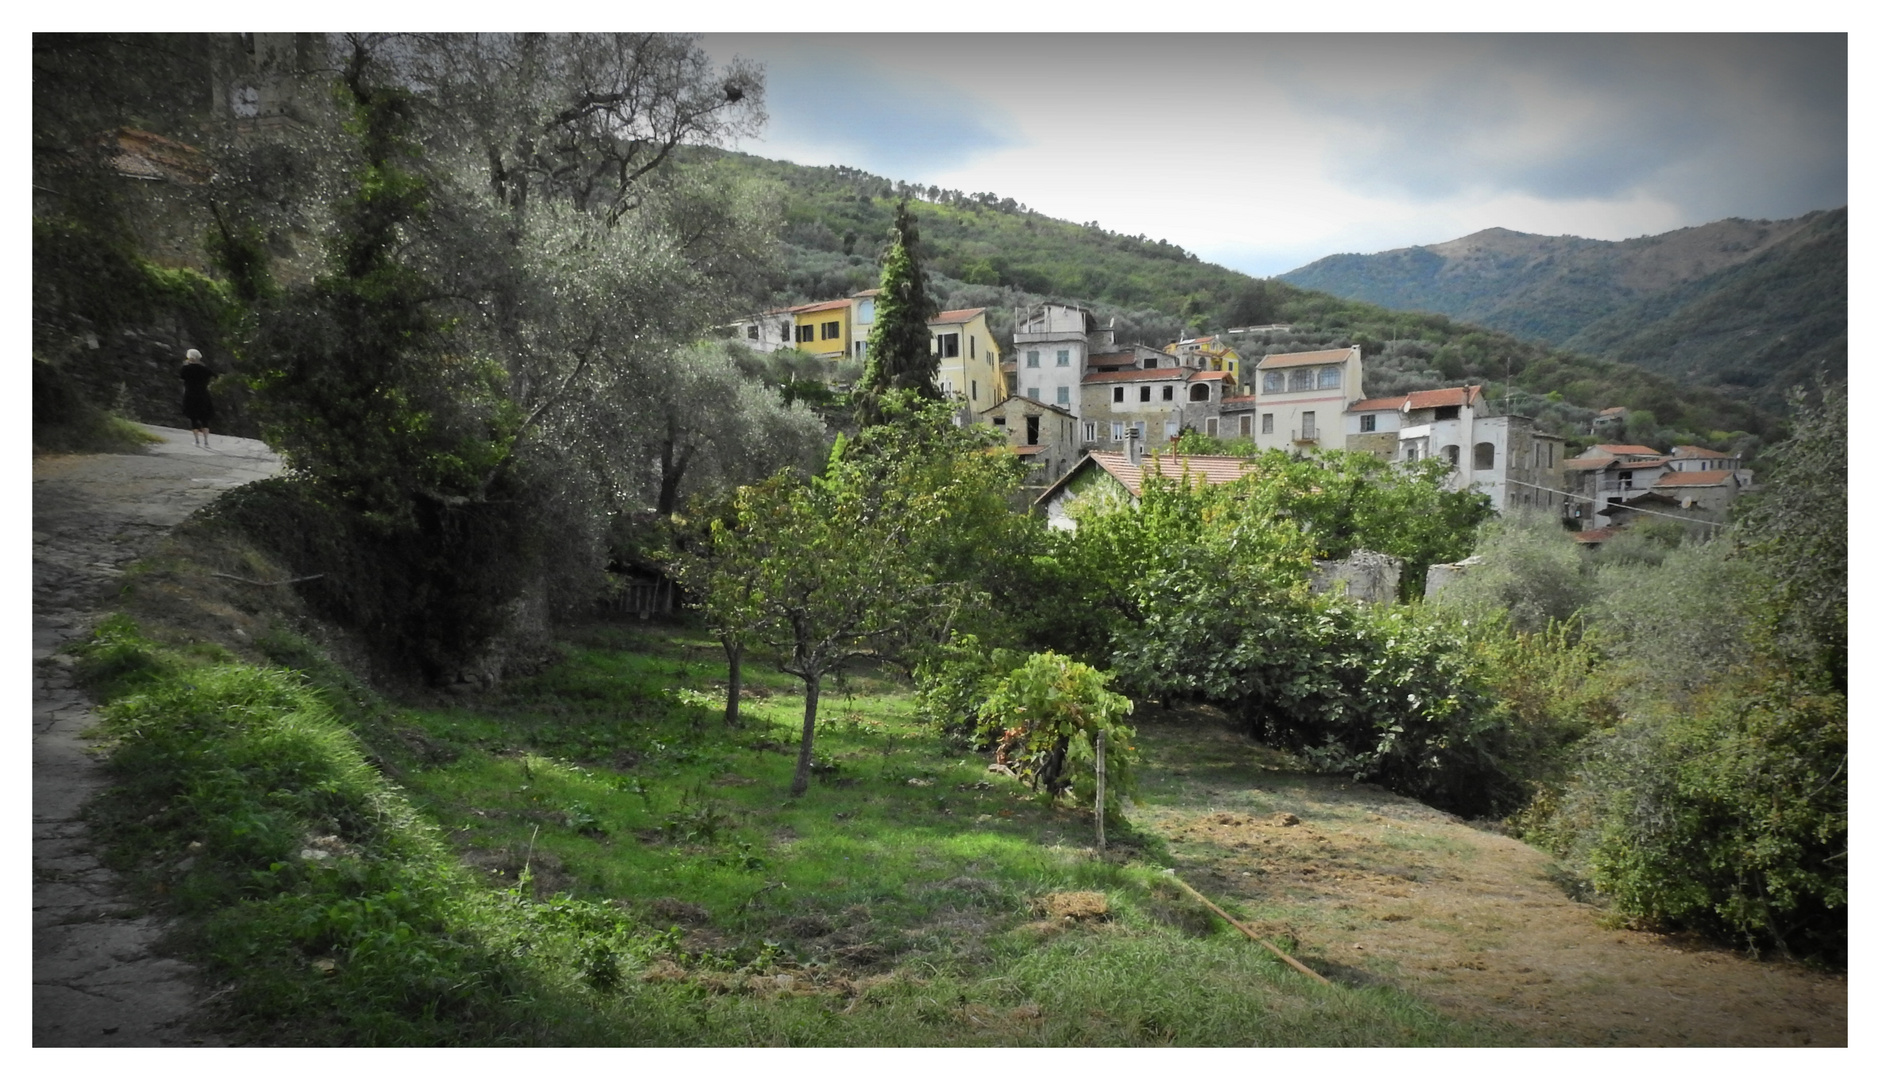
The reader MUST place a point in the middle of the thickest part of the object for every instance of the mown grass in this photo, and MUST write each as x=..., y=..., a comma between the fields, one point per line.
x=592, y=858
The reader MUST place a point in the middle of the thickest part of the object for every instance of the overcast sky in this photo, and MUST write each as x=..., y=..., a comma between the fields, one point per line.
x=1265, y=152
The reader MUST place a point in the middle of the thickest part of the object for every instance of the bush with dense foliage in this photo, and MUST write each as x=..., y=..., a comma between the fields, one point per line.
x=1044, y=718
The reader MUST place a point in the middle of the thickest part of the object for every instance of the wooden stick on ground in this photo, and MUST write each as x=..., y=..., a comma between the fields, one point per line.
x=266, y=584
x=1270, y=947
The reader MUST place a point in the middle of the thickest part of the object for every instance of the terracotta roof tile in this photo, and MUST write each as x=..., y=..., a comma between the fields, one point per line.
x=1435, y=399
x=1208, y=376
x=1323, y=356
x=1208, y=468
x=826, y=305
x=1591, y=462
x=1140, y=375
x=1625, y=449
x=1698, y=452
x=1376, y=404
x=958, y=315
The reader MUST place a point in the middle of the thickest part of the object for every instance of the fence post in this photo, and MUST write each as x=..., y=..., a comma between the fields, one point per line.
x=1100, y=747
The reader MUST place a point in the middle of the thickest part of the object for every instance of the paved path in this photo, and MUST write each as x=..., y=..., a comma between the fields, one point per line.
x=96, y=980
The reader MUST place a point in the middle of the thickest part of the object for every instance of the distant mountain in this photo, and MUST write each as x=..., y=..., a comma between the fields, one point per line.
x=1749, y=307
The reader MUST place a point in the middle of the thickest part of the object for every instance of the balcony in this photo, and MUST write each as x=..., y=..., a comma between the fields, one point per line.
x=1306, y=437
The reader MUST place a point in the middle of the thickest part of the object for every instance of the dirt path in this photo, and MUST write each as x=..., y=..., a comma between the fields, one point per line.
x=96, y=980
x=1376, y=888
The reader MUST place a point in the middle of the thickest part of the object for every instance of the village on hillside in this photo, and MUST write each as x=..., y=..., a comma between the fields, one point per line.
x=1085, y=411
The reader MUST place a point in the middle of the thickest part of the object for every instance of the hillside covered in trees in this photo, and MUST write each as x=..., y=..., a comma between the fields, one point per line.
x=1751, y=308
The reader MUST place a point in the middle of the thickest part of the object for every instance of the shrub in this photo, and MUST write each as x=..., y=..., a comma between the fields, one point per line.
x=1045, y=717
x=1726, y=815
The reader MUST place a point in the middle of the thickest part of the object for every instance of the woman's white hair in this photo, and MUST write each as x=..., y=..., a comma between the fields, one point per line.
x=192, y=355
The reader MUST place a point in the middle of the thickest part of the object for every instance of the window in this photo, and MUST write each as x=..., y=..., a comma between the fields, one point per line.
x=1032, y=393
x=1266, y=423
x=972, y=347
x=1142, y=431
x=1116, y=431
x=1116, y=395
x=1214, y=426
x=1448, y=412
x=1171, y=428
x=1550, y=455
x=1367, y=422
x=1198, y=392
x=832, y=330
x=751, y=331
x=949, y=345
x=1168, y=393
x=805, y=332
x=1246, y=424
x=946, y=386
x=975, y=386
x=1031, y=431
x=1031, y=358
x=1410, y=453
x=1330, y=377
x=1064, y=358
x=998, y=421
x=1485, y=455
x=1301, y=380
x=1064, y=395
x=1453, y=454
x=1090, y=432
x=1273, y=382
x=861, y=350
x=1308, y=425
x=1143, y=394
x=865, y=311
x=1148, y=362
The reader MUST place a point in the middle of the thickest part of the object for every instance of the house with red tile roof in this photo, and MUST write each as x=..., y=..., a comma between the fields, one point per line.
x=1104, y=475
x=1303, y=397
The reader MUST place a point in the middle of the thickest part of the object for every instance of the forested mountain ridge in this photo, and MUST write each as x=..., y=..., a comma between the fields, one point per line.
x=984, y=251
x=1750, y=307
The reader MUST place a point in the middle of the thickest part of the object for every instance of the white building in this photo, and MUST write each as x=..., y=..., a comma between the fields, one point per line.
x=1302, y=398
x=1050, y=345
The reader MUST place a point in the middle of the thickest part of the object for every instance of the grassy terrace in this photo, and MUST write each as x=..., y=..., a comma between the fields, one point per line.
x=591, y=857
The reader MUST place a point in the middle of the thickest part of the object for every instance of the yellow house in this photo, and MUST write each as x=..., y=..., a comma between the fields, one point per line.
x=824, y=330
x=969, y=357
x=1212, y=353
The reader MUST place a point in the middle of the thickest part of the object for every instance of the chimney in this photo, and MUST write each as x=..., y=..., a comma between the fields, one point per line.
x=1133, y=446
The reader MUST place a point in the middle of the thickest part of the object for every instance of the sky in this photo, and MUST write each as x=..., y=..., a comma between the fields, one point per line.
x=1265, y=152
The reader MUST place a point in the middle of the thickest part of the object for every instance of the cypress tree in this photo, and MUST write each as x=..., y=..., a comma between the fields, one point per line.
x=900, y=356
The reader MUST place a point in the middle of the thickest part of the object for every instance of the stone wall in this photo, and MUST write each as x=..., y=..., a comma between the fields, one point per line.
x=1368, y=577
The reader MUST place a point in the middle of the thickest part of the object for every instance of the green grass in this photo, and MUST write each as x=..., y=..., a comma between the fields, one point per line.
x=591, y=857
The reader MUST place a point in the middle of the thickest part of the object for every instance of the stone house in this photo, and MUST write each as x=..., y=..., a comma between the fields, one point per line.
x=1045, y=435
x=1611, y=474
x=1153, y=404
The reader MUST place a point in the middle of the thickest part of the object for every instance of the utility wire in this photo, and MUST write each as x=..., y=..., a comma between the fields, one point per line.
x=1633, y=509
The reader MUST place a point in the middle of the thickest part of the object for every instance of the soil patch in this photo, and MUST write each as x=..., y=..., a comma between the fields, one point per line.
x=1376, y=888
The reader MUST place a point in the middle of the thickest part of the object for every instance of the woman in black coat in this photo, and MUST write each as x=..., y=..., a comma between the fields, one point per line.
x=197, y=405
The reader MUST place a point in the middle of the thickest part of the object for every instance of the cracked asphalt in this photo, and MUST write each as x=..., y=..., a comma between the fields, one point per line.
x=97, y=977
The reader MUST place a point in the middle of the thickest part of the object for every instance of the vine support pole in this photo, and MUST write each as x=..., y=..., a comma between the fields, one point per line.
x=1100, y=748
